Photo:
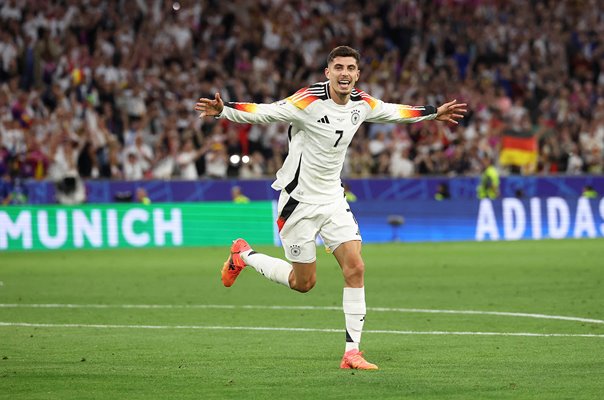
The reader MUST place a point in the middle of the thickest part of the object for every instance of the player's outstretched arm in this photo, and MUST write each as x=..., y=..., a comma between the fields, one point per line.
x=209, y=107
x=451, y=112
x=249, y=113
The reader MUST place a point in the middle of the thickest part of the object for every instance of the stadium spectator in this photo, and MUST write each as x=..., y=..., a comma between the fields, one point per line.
x=142, y=196
x=400, y=164
x=238, y=196
x=12, y=191
x=70, y=190
x=488, y=187
x=442, y=192
x=143, y=153
x=186, y=158
x=133, y=166
x=350, y=196
x=589, y=192
x=163, y=165
x=216, y=161
x=254, y=168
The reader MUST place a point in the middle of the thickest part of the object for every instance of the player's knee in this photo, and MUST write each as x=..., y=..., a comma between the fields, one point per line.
x=355, y=269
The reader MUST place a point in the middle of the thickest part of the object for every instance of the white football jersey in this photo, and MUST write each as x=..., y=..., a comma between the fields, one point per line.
x=319, y=134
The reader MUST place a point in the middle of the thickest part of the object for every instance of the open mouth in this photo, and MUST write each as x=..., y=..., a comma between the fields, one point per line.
x=344, y=83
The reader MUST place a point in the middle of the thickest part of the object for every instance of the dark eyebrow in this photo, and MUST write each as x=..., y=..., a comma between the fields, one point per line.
x=345, y=66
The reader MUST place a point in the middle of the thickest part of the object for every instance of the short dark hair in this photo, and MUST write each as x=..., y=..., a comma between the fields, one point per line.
x=344, y=51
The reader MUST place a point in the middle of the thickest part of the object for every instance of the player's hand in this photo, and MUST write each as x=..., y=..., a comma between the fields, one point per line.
x=451, y=112
x=209, y=107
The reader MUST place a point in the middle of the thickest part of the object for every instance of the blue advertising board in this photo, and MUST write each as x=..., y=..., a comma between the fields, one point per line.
x=485, y=220
x=461, y=188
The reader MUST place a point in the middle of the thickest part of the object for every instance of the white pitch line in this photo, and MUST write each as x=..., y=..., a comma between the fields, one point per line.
x=282, y=329
x=299, y=308
x=497, y=313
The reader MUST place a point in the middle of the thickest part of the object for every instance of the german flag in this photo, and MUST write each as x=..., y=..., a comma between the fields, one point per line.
x=518, y=148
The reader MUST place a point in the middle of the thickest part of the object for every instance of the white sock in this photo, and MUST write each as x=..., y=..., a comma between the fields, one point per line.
x=275, y=269
x=354, y=313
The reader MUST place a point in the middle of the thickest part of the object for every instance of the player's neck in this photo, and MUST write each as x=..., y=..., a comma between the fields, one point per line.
x=341, y=99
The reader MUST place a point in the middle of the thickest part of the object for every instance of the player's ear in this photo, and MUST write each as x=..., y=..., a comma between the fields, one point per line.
x=327, y=73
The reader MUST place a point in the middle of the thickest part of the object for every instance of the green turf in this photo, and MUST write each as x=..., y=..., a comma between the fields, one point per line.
x=562, y=278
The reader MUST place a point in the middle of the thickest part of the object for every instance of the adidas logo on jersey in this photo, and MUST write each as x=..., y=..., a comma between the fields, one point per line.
x=324, y=120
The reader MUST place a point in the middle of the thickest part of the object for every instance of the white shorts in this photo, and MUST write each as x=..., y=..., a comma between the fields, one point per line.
x=300, y=223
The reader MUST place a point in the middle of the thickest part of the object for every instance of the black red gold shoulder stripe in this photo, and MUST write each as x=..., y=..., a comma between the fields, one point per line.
x=414, y=111
x=305, y=96
x=247, y=107
x=359, y=95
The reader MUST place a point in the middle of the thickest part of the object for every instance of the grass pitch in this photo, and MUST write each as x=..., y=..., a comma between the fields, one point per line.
x=157, y=324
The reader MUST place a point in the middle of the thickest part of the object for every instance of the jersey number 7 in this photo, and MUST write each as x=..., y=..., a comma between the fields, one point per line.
x=339, y=133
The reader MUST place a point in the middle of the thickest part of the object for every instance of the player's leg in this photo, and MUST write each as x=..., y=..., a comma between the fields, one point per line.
x=297, y=231
x=303, y=277
x=242, y=255
x=349, y=257
x=299, y=276
x=342, y=236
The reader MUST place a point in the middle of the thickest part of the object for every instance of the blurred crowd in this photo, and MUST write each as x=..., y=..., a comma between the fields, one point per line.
x=105, y=89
